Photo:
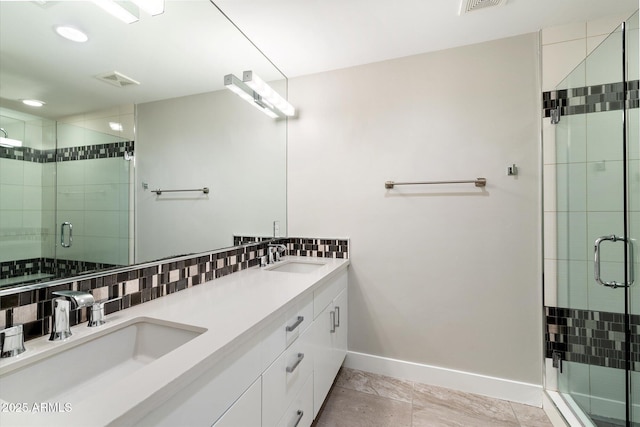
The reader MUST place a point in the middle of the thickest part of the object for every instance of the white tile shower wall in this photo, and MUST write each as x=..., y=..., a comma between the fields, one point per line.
x=93, y=195
x=446, y=276
x=90, y=128
x=563, y=50
x=23, y=229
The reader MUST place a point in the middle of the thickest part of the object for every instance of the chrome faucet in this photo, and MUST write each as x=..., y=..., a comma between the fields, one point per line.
x=11, y=341
x=276, y=251
x=66, y=301
x=96, y=312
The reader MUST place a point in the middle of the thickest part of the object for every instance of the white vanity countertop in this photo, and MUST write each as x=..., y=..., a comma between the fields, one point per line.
x=230, y=308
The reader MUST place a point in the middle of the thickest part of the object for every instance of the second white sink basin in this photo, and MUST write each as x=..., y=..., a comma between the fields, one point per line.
x=75, y=373
x=296, y=266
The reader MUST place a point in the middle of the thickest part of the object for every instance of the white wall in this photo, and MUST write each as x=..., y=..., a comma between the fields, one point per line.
x=213, y=140
x=441, y=275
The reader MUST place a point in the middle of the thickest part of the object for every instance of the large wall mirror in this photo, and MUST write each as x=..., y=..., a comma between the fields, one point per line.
x=136, y=108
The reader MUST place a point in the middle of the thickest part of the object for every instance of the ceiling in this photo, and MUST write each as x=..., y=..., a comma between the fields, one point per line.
x=186, y=50
x=189, y=48
x=310, y=36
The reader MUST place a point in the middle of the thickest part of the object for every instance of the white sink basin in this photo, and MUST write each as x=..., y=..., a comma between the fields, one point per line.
x=296, y=266
x=82, y=369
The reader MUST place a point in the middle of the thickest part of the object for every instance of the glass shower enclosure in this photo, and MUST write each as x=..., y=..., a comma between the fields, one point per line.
x=65, y=198
x=593, y=330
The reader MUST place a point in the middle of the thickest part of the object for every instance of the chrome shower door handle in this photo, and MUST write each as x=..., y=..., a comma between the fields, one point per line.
x=62, y=242
x=596, y=262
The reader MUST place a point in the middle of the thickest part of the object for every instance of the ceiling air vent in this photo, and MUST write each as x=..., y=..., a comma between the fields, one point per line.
x=117, y=79
x=471, y=5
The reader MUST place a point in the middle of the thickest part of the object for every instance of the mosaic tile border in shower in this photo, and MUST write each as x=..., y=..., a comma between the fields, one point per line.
x=86, y=152
x=32, y=308
x=591, y=99
x=591, y=337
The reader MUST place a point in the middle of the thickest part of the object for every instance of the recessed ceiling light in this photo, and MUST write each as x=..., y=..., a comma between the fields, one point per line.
x=33, y=102
x=71, y=33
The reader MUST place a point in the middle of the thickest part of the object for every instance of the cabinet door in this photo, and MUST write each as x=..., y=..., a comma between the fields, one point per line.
x=246, y=411
x=324, y=372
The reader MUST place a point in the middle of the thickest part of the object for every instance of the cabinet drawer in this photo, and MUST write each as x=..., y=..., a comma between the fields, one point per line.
x=205, y=399
x=300, y=320
x=300, y=412
x=284, y=330
x=284, y=379
x=246, y=411
x=326, y=293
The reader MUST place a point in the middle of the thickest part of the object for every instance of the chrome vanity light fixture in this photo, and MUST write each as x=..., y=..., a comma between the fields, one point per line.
x=123, y=10
x=128, y=11
x=152, y=7
x=236, y=86
x=267, y=93
x=5, y=141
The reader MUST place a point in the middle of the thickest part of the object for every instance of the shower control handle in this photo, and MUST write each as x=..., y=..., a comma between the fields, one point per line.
x=62, y=242
x=596, y=262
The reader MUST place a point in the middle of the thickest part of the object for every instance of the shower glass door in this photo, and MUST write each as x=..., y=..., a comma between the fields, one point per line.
x=632, y=51
x=597, y=228
x=93, y=199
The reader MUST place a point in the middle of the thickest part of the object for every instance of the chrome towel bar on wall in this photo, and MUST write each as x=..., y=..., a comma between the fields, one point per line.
x=479, y=182
x=158, y=192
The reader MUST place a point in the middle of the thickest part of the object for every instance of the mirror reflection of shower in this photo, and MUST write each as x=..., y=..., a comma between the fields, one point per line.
x=5, y=141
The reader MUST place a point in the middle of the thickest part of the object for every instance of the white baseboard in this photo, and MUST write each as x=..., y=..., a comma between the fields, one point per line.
x=499, y=388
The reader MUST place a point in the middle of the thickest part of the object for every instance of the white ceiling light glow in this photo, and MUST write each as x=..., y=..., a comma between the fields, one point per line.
x=116, y=126
x=33, y=102
x=71, y=33
x=267, y=93
x=123, y=10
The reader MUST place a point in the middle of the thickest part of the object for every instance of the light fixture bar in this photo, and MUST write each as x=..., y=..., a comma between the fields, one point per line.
x=9, y=142
x=123, y=10
x=266, y=92
x=236, y=86
x=152, y=7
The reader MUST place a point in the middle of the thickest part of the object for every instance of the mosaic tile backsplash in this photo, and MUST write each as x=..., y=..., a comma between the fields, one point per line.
x=32, y=308
x=592, y=337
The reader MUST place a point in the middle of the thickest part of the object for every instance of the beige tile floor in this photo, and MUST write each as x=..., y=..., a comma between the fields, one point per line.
x=363, y=399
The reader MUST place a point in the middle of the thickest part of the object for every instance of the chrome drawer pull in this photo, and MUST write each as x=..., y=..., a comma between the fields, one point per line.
x=295, y=325
x=337, y=317
x=290, y=369
x=299, y=415
x=332, y=316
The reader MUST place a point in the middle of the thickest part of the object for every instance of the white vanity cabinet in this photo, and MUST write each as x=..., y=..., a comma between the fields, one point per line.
x=203, y=401
x=279, y=377
x=329, y=337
